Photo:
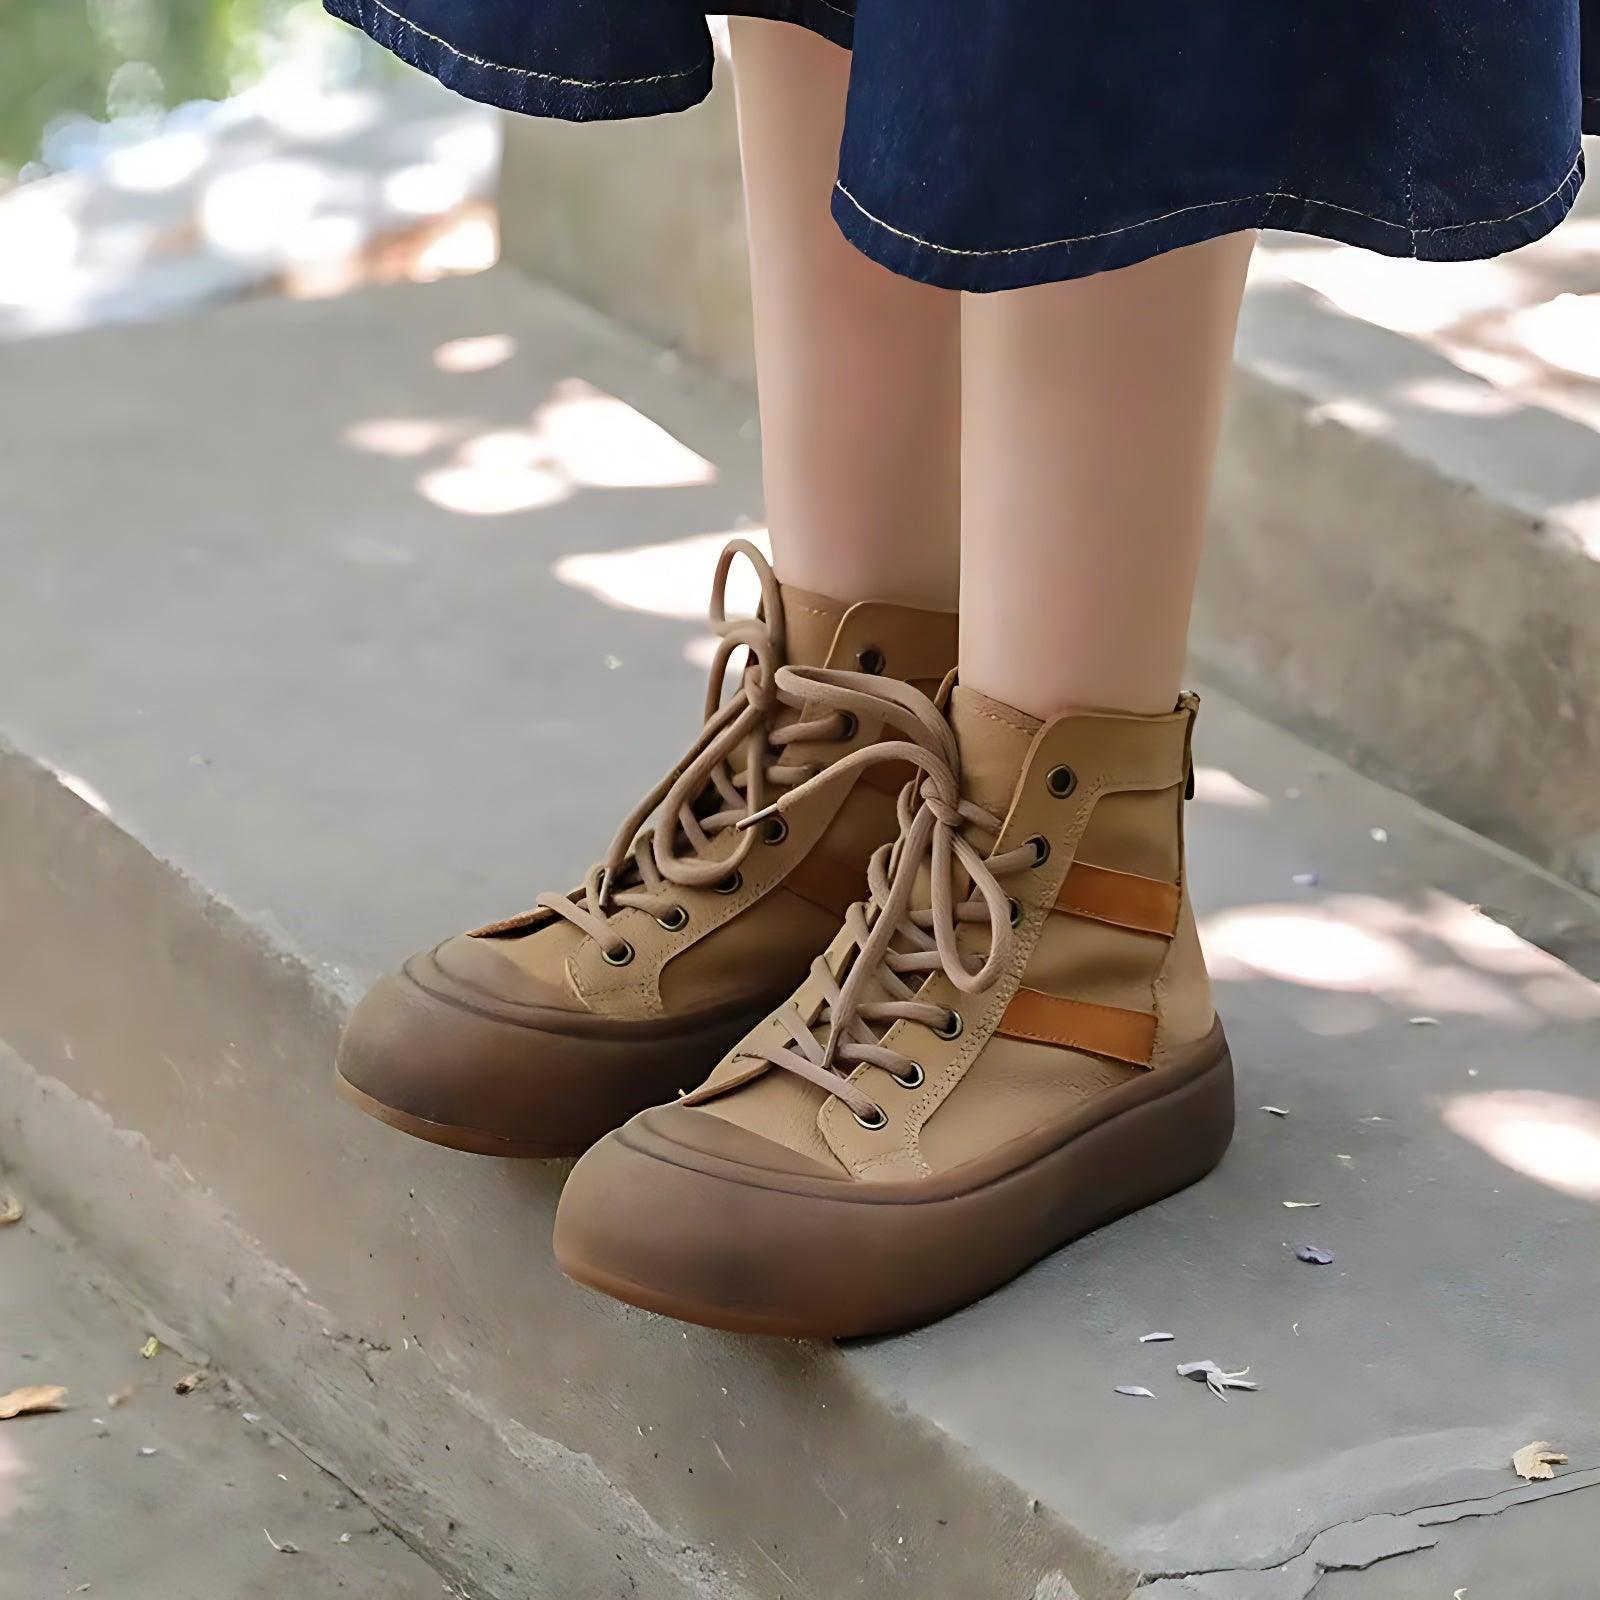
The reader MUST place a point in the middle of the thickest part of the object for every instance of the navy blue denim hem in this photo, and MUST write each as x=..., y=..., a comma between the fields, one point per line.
x=525, y=89
x=1021, y=266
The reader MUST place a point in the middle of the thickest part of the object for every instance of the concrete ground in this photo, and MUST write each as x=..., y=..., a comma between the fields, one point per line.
x=136, y=1492
x=309, y=669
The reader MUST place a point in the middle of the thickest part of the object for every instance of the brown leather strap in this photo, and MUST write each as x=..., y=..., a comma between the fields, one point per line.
x=827, y=884
x=1080, y=1025
x=1125, y=899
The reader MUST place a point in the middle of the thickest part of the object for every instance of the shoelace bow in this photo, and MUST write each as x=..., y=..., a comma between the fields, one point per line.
x=895, y=946
x=642, y=864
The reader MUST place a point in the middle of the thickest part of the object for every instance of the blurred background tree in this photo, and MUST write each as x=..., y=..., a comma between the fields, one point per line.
x=126, y=61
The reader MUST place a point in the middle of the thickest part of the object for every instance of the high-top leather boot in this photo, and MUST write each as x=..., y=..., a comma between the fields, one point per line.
x=1010, y=1043
x=534, y=1036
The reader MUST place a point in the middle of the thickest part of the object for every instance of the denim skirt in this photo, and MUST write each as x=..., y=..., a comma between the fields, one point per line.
x=991, y=144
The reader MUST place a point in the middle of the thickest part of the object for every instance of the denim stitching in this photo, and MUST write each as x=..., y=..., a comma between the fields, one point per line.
x=526, y=72
x=1207, y=205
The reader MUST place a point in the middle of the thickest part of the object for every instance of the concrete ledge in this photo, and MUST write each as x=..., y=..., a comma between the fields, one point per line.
x=296, y=682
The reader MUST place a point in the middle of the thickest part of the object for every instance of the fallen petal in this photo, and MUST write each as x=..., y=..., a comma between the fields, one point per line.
x=1154, y=1338
x=287, y=1548
x=150, y=1347
x=32, y=1398
x=1276, y=1111
x=1317, y=1258
x=10, y=1210
x=1301, y=1205
x=1136, y=1389
x=1538, y=1460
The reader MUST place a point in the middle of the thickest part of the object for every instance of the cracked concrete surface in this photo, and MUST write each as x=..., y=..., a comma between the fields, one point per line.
x=1360, y=1545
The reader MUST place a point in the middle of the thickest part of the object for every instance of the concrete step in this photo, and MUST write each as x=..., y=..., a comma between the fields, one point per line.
x=331, y=627
x=158, y=1479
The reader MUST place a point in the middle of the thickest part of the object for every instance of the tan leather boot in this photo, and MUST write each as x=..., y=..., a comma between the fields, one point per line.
x=1011, y=1043
x=536, y=1035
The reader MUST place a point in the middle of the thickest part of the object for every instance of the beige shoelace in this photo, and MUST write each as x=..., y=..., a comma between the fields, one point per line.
x=643, y=864
x=894, y=946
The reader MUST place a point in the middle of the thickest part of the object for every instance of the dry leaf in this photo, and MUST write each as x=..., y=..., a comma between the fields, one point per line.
x=1538, y=1460
x=10, y=1210
x=42, y=1397
x=151, y=1347
x=190, y=1381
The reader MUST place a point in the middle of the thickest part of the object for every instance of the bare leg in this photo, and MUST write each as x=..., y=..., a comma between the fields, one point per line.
x=1091, y=410
x=858, y=369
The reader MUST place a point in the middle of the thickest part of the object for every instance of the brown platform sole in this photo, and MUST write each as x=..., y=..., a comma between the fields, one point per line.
x=472, y=1140
x=521, y=1082
x=692, y=1238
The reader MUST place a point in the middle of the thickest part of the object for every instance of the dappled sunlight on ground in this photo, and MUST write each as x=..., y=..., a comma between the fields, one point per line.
x=476, y=354
x=1527, y=323
x=580, y=438
x=666, y=580
x=1553, y=1138
x=1427, y=955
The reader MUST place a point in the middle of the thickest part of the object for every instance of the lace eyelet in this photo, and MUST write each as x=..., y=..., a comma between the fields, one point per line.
x=1016, y=912
x=774, y=830
x=952, y=1028
x=619, y=958
x=848, y=726
x=913, y=1079
x=732, y=884
x=870, y=659
x=1041, y=849
x=874, y=1124
x=1061, y=781
x=675, y=920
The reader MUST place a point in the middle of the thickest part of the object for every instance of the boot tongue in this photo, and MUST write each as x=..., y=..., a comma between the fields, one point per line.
x=810, y=621
x=994, y=740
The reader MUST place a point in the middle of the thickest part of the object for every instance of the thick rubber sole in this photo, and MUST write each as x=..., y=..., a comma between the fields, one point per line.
x=535, y=1085
x=804, y=1258
x=474, y=1141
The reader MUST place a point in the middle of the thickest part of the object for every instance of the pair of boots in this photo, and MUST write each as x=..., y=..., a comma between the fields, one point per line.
x=1006, y=1040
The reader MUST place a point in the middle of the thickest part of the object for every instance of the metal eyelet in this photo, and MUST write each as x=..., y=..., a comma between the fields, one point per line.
x=732, y=884
x=675, y=920
x=870, y=659
x=1061, y=781
x=1041, y=849
x=848, y=726
x=621, y=957
x=873, y=1124
x=774, y=830
x=952, y=1028
x=912, y=1079
x=1016, y=912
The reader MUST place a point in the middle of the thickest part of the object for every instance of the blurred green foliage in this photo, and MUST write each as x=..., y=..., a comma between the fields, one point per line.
x=119, y=58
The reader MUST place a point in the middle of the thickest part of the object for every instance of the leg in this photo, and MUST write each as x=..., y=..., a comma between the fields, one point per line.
x=1090, y=417
x=857, y=369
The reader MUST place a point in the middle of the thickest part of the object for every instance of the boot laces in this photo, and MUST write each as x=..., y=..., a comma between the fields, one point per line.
x=896, y=945
x=706, y=795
